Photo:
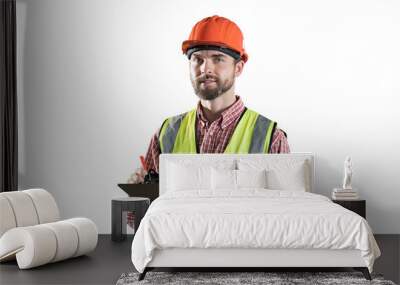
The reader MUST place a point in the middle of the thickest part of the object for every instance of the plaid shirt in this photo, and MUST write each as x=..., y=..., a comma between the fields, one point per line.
x=213, y=137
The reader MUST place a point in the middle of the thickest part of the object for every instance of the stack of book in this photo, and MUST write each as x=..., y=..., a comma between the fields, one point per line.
x=344, y=194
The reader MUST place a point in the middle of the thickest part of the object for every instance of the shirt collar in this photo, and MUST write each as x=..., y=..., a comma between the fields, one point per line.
x=227, y=117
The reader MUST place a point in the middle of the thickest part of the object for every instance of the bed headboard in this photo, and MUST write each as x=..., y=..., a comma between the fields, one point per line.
x=211, y=158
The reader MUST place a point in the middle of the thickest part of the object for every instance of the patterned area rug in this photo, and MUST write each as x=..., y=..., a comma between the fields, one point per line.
x=270, y=278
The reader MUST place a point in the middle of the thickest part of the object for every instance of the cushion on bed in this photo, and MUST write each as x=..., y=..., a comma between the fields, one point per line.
x=251, y=178
x=223, y=179
x=237, y=179
x=182, y=177
x=282, y=174
x=186, y=175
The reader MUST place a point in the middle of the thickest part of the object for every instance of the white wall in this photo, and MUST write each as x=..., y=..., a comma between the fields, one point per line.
x=96, y=79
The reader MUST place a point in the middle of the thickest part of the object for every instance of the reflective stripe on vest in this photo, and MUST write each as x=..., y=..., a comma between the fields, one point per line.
x=168, y=133
x=252, y=134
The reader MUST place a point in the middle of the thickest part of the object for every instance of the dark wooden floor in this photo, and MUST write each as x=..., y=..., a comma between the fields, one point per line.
x=111, y=259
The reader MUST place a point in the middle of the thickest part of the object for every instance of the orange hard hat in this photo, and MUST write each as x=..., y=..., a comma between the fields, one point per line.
x=216, y=31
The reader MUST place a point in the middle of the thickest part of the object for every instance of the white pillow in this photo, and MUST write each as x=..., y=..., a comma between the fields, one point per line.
x=187, y=174
x=292, y=178
x=251, y=178
x=223, y=179
x=285, y=174
x=226, y=179
x=185, y=177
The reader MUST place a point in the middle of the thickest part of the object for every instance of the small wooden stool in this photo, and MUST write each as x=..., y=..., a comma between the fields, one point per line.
x=138, y=205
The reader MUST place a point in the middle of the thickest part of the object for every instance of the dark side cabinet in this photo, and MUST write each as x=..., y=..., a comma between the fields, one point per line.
x=357, y=206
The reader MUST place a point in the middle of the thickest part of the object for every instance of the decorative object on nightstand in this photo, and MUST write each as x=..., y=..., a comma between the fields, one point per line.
x=140, y=190
x=357, y=206
x=347, y=196
x=346, y=192
x=149, y=186
x=119, y=207
x=348, y=173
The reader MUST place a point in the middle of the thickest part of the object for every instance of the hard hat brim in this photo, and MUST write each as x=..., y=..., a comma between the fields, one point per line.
x=189, y=43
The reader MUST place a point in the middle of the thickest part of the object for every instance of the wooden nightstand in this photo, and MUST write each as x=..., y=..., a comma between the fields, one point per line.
x=357, y=206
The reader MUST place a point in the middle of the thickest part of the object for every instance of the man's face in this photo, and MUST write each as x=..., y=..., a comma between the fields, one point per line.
x=212, y=73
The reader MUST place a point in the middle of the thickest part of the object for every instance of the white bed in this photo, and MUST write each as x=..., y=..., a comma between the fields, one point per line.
x=202, y=220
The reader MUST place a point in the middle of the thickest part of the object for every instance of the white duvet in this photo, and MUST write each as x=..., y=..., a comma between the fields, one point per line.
x=251, y=218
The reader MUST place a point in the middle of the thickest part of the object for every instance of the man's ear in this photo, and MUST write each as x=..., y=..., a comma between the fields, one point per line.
x=239, y=68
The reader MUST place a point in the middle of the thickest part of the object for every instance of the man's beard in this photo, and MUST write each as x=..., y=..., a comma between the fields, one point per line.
x=211, y=92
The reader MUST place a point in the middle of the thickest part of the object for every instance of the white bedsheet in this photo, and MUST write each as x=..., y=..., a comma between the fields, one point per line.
x=251, y=218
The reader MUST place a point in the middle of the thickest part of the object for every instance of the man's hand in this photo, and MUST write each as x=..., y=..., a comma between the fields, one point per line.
x=138, y=176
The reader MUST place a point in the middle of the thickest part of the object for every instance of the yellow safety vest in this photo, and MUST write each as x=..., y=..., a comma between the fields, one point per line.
x=252, y=134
